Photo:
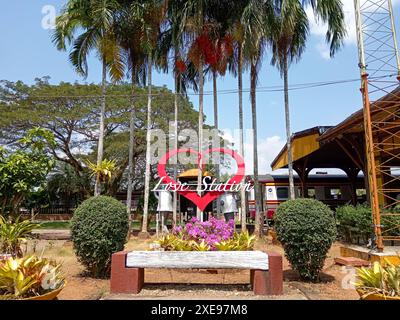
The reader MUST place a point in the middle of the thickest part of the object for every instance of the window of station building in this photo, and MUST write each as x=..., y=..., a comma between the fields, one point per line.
x=269, y=193
x=282, y=193
x=361, y=195
x=333, y=193
x=311, y=193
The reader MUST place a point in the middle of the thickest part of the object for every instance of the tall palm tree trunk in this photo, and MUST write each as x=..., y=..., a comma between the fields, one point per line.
x=243, y=208
x=259, y=216
x=100, y=147
x=216, y=125
x=201, y=120
x=176, y=113
x=131, y=150
x=288, y=128
x=144, y=232
x=201, y=107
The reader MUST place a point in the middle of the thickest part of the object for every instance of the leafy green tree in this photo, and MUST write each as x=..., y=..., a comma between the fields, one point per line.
x=23, y=168
x=64, y=186
x=94, y=21
x=69, y=112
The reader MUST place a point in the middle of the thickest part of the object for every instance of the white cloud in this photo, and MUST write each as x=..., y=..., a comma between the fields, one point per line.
x=323, y=50
x=268, y=149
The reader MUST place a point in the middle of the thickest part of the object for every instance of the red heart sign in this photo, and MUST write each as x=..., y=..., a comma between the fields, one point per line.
x=201, y=202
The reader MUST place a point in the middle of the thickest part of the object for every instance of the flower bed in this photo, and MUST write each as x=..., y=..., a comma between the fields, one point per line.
x=212, y=235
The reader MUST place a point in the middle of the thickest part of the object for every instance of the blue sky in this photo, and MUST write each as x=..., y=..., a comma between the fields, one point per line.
x=26, y=52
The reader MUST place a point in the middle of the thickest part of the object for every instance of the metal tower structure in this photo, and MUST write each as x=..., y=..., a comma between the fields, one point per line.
x=379, y=63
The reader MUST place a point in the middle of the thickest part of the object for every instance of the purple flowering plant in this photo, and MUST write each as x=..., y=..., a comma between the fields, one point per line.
x=214, y=235
x=210, y=232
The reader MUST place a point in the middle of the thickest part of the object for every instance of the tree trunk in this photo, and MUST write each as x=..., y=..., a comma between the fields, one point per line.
x=292, y=194
x=148, y=146
x=243, y=208
x=176, y=112
x=259, y=215
x=217, y=167
x=131, y=150
x=201, y=107
x=100, y=148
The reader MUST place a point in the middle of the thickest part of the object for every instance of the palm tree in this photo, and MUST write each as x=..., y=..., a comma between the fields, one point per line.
x=172, y=46
x=193, y=22
x=94, y=20
x=171, y=42
x=129, y=31
x=199, y=31
x=155, y=12
x=203, y=19
x=288, y=40
x=237, y=68
x=222, y=51
x=256, y=18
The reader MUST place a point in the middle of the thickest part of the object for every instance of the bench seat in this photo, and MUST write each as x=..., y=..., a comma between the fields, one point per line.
x=255, y=260
x=266, y=275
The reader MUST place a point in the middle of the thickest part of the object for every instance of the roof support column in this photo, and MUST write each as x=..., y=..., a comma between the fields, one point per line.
x=303, y=172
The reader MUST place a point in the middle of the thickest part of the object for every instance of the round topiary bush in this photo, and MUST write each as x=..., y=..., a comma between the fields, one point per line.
x=306, y=228
x=99, y=228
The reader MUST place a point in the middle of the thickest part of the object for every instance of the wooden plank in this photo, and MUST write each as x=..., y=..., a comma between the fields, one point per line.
x=256, y=260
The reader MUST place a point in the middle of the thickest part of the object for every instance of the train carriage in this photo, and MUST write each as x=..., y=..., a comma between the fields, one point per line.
x=332, y=189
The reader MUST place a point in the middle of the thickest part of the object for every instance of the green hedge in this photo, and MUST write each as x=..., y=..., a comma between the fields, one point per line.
x=306, y=228
x=99, y=228
x=355, y=223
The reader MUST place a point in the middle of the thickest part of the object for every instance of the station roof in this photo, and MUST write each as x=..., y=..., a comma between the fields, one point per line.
x=319, y=145
x=355, y=122
x=304, y=143
x=193, y=173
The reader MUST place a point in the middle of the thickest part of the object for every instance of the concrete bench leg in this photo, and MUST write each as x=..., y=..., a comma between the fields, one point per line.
x=125, y=280
x=268, y=282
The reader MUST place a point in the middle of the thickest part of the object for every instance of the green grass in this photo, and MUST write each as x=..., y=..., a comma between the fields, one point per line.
x=54, y=225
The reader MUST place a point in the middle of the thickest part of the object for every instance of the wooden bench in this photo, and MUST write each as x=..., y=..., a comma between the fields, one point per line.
x=266, y=275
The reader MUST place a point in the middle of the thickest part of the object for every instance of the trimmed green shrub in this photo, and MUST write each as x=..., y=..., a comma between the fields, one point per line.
x=354, y=222
x=306, y=228
x=391, y=224
x=99, y=228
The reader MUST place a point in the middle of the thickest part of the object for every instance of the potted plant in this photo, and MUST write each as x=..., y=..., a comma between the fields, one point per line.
x=13, y=235
x=30, y=278
x=379, y=282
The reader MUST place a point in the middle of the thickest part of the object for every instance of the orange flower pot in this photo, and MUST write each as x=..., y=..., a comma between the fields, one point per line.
x=374, y=296
x=48, y=296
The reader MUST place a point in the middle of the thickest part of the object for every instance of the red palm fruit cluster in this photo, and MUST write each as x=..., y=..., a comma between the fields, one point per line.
x=180, y=66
